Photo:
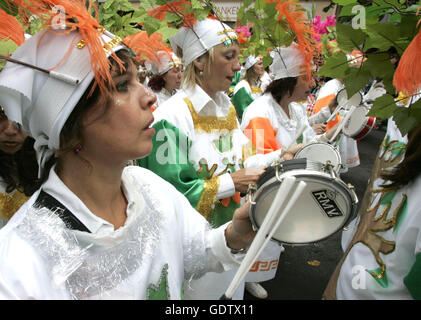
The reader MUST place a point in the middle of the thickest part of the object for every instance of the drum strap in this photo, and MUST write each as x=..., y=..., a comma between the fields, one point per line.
x=45, y=200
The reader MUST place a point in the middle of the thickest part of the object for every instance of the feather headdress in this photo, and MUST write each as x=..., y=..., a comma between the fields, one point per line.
x=296, y=20
x=407, y=77
x=146, y=47
x=72, y=15
x=10, y=28
x=179, y=9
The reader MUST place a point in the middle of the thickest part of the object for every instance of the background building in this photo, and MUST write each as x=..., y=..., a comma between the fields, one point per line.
x=229, y=9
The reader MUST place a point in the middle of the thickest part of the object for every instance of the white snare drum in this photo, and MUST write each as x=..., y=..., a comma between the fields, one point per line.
x=359, y=125
x=345, y=103
x=326, y=205
x=321, y=152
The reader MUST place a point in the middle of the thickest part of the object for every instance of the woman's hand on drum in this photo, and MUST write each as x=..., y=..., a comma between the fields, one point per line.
x=290, y=153
x=244, y=177
x=319, y=128
x=329, y=134
x=239, y=233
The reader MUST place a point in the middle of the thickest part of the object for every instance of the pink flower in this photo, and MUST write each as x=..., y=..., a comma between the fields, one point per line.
x=320, y=27
x=244, y=31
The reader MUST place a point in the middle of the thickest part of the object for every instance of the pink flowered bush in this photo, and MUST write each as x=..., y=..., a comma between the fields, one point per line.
x=321, y=26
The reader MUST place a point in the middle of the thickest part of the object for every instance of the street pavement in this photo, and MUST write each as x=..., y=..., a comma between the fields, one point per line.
x=304, y=270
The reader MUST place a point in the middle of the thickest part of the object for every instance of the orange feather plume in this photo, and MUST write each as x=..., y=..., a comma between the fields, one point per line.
x=10, y=28
x=77, y=17
x=298, y=23
x=176, y=7
x=146, y=46
x=407, y=77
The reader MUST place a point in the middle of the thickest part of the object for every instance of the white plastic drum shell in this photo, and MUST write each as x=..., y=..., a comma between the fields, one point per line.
x=306, y=223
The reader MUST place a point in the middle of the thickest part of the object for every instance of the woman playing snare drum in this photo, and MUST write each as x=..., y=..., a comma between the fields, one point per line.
x=273, y=121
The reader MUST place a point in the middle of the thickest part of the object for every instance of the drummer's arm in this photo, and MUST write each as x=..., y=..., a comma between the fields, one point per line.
x=239, y=233
x=319, y=117
x=329, y=134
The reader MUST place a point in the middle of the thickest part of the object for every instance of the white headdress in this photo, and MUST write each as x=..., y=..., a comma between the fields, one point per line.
x=287, y=62
x=166, y=62
x=199, y=39
x=250, y=61
x=41, y=101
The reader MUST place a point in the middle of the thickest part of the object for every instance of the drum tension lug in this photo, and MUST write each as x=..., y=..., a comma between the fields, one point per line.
x=250, y=193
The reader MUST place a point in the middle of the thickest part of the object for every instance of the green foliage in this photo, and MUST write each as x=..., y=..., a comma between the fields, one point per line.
x=120, y=17
x=268, y=31
x=7, y=47
x=388, y=26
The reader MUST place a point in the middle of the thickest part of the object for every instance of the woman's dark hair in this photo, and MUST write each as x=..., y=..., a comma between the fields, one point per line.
x=279, y=88
x=157, y=82
x=71, y=133
x=409, y=169
x=20, y=170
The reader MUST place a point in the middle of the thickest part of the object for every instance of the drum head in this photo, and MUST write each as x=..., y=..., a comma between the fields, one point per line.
x=343, y=101
x=321, y=152
x=324, y=208
x=356, y=122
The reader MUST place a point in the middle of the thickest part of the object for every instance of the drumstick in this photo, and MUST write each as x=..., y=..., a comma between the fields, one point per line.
x=342, y=124
x=297, y=192
x=337, y=109
x=249, y=259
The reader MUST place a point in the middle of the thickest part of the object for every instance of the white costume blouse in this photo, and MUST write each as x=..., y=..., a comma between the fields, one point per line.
x=162, y=96
x=161, y=244
x=383, y=244
x=270, y=127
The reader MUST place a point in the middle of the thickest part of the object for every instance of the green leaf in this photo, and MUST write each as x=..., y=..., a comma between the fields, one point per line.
x=349, y=38
x=267, y=60
x=379, y=65
x=196, y=4
x=167, y=32
x=107, y=4
x=259, y=5
x=335, y=66
x=346, y=2
x=355, y=80
x=382, y=36
x=404, y=120
x=384, y=107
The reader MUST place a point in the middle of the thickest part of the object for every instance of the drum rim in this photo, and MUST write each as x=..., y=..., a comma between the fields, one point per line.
x=353, y=202
x=358, y=92
x=336, y=151
x=364, y=129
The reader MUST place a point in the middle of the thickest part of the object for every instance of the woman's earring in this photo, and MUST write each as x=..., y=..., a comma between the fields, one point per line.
x=78, y=149
x=201, y=72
